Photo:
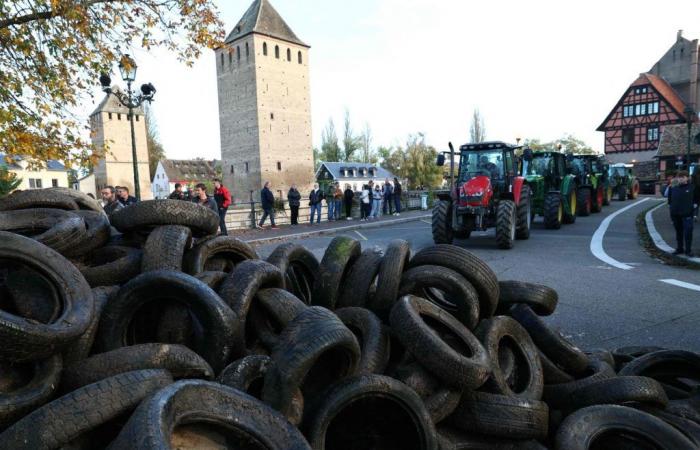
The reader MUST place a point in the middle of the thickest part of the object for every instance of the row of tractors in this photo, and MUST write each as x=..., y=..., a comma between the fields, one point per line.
x=504, y=186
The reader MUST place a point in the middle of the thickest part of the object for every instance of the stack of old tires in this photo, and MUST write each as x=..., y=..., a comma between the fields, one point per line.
x=146, y=331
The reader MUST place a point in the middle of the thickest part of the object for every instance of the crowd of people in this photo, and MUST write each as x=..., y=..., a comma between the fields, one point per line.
x=683, y=200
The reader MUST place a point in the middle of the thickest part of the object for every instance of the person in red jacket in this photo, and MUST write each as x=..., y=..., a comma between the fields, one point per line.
x=223, y=201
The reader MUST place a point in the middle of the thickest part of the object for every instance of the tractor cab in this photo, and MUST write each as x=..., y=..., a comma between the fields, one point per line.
x=485, y=169
x=548, y=164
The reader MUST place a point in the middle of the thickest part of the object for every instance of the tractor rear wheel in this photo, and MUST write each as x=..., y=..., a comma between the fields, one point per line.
x=553, y=211
x=505, y=224
x=598, y=201
x=524, y=219
x=622, y=193
x=635, y=190
x=570, y=207
x=584, y=201
x=608, y=195
x=442, y=222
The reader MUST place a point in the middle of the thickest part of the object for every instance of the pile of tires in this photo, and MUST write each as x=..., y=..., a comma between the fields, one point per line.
x=146, y=331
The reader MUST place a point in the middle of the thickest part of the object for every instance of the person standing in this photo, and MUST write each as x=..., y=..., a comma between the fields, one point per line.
x=365, y=201
x=682, y=201
x=294, y=199
x=349, y=195
x=397, y=197
x=376, y=201
x=337, y=201
x=268, y=204
x=387, y=194
x=330, y=202
x=202, y=198
x=109, y=200
x=123, y=196
x=177, y=194
x=315, y=198
x=223, y=201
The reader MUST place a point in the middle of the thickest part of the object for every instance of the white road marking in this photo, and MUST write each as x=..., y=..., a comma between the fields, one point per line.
x=425, y=221
x=655, y=236
x=683, y=284
x=360, y=234
x=597, y=239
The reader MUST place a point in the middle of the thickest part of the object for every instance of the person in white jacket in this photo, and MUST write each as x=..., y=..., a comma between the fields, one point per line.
x=364, y=203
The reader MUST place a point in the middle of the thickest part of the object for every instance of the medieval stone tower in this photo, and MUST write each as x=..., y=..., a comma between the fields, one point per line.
x=109, y=125
x=264, y=105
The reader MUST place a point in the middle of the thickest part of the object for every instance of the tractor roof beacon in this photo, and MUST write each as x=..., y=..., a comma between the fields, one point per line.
x=487, y=193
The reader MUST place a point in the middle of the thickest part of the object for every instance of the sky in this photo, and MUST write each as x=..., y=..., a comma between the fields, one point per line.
x=535, y=69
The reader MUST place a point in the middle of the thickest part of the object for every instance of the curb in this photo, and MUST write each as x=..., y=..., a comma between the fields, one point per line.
x=359, y=226
x=652, y=241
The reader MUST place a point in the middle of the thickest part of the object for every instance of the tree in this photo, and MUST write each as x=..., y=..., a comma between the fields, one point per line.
x=54, y=51
x=416, y=163
x=368, y=156
x=350, y=142
x=8, y=181
x=330, y=150
x=572, y=144
x=155, y=148
x=477, y=130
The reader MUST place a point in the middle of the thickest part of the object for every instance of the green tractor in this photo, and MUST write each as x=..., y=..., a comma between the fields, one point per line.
x=592, y=181
x=553, y=189
x=623, y=182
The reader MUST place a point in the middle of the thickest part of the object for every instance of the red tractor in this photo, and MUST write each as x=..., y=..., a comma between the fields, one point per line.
x=487, y=193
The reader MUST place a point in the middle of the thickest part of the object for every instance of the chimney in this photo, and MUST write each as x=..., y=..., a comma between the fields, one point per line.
x=693, y=94
x=679, y=36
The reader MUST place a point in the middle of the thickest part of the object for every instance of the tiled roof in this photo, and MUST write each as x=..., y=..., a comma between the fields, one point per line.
x=335, y=170
x=51, y=164
x=664, y=89
x=674, y=140
x=110, y=103
x=262, y=18
x=189, y=170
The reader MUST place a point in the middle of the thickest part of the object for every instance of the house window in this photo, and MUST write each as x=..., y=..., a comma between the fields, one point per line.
x=642, y=109
x=119, y=116
x=628, y=136
x=627, y=111
x=246, y=167
x=110, y=116
x=32, y=183
x=137, y=117
x=277, y=51
x=265, y=48
x=637, y=110
x=289, y=55
x=653, y=134
x=54, y=182
x=653, y=108
x=279, y=166
x=299, y=57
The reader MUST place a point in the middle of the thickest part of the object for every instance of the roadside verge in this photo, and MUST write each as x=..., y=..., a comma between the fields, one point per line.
x=655, y=245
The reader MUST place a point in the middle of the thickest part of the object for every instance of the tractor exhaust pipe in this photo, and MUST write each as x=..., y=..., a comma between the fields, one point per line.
x=452, y=167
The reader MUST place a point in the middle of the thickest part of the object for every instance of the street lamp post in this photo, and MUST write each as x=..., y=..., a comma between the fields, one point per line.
x=689, y=119
x=132, y=100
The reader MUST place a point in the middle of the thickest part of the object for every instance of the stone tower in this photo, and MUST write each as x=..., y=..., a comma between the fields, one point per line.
x=109, y=125
x=264, y=106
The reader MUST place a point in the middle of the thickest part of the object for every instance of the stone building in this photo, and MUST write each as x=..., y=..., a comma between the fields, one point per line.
x=264, y=105
x=679, y=68
x=111, y=132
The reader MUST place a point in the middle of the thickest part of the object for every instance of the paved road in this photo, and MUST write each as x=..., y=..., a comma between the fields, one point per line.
x=600, y=305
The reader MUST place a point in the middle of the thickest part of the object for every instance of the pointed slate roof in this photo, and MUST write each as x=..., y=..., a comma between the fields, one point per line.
x=110, y=103
x=263, y=18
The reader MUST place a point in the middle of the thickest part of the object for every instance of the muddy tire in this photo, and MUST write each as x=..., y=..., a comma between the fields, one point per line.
x=97, y=233
x=299, y=267
x=37, y=198
x=221, y=253
x=80, y=349
x=396, y=257
x=553, y=211
x=620, y=390
x=439, y=399
x=146, y=215
x=442, y=222
x=541, y=299
x=165, y=248
x=338, y=259
x=559, y=395
x=270, y=313
x=55, y=228
x=505, y=224
x=111, y=265
x=584, y=201
x=371, y=335
x=524, y=214
x=363, y=279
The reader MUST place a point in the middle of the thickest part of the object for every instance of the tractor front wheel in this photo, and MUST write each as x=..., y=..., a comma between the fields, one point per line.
x=622, y=193
x=608, y=195
x=553, y=211
x=599, y=197
x=442, y=222
x=584, y=201
x=524, y=215
x=634, y=193
x=571, y=206
x=505, y=224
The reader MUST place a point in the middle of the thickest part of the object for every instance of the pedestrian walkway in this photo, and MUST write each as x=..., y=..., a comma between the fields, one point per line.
x=663, y=234
x=305, y=230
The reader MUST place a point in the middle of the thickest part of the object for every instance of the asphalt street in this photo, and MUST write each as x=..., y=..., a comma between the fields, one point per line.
x=612, y=300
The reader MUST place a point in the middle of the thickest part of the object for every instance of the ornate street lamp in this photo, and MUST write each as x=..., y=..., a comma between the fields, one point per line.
x=689, y=119
x=131, y=100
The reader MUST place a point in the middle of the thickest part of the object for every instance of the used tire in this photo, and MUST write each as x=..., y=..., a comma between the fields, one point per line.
x=524, y=215
x=179, y=361
x=553, y=211
x=299, y=266
x=55, y=228
x=314, y=350
x=37, y=198
x=500, y=415
x=622, y=193
x=84, y=201
x=582, y=428
x=666, y=366
x=520, y=378
x=371, y=411
x=444, y=287
x=117, y=328
x=541, y=299
x=570, y=203
x=505, y=224
x=165, y=248
x=111, y=265
x=396, y=257
x=371, y=335
x=440, y=343
x=439, y=400
x=442, y=222
x=212, y=279
x=584, y=201
x=229, y=250
x=340, y=255
x=363, y=279
x=65, y=419
x=146, y=215
x=80, y=349
x=97, y=233
x=471, y=267
x=235, y=417
x=270, y=313
x=454, y=439
x=597, y=205
x=559, y=395
x=619, y=390
x=24, y=340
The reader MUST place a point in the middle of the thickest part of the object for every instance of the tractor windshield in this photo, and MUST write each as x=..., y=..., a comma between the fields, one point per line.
x=618, y=171
x=578, y=166
x=473, y=164
x=540, y=165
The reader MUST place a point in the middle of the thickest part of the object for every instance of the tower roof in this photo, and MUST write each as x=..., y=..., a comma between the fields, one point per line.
x=263, y=18
x=110, y=103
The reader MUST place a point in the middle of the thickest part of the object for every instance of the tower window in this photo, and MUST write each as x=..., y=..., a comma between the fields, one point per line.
x=222, y=60
x=110, y=116
x=119, y=117
x=238, y=53
x=277, y=51
x=230, y=57
x=299, y=57
x=265, y=48
x=247, y=51
x=231, y=169
x=272, y=116
x=246, y=167
x=289, y=55
x=279, y=166
x=137, y=117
